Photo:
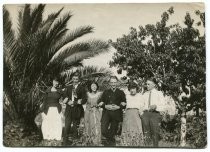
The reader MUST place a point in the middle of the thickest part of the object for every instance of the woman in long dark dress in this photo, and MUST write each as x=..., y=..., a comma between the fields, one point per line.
x=52, y=123
x=93, y=115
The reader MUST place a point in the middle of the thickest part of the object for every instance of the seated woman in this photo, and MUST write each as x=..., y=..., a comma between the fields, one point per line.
x=93, y=115
x=132, y=127
x=52, y=124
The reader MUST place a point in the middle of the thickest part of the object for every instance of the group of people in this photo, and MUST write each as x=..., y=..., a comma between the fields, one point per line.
x=139, y=115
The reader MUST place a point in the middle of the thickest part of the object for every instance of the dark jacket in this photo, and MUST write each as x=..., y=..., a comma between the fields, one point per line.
x=116, y=97
x=51, y=99
x=77, y=111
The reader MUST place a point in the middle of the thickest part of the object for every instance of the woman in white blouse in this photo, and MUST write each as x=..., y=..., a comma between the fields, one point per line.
x=132, y=127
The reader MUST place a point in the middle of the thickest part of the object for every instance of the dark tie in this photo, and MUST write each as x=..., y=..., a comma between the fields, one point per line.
x=149, y=100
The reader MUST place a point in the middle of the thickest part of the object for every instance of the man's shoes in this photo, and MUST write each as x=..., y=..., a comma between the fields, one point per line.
x=67, y=143
x=108, y=142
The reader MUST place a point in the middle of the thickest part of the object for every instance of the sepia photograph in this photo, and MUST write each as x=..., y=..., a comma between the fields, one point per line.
x=104, y=75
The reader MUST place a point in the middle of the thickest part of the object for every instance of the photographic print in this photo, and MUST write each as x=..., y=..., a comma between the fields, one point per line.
x=104, y=75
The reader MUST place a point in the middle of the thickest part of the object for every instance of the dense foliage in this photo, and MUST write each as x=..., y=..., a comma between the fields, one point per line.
x=38, y=50
x=173, y=54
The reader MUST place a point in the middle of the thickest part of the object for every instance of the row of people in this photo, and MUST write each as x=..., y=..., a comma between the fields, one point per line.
x=104, y=112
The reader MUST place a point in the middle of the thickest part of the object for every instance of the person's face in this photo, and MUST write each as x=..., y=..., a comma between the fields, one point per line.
x=75, y=79
x=93, y=87
x=150, y=85
x=133, y=91
x=55, y=84
x=113, y=83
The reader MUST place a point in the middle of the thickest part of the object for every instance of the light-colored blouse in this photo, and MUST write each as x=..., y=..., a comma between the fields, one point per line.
x=134, y=101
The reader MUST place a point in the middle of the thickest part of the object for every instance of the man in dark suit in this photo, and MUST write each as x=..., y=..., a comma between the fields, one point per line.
x=113, y=101
x=75, y=97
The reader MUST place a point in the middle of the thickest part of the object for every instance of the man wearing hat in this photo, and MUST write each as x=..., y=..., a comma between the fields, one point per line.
x=154, y=108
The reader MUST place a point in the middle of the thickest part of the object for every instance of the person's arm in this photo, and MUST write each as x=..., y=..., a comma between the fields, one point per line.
x=82, y=96
x=102, y=101
x=99, y=102
x=144, y=101
x=123, y=101
x=43, y=107
x=161, y=105
x=65, y=96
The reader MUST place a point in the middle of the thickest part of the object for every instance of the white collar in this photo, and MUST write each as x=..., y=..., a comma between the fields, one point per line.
x=76, y=84
x=114, y=89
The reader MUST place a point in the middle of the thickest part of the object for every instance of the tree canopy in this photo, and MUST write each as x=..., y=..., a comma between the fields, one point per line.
x=40, y=49
x=173, y=54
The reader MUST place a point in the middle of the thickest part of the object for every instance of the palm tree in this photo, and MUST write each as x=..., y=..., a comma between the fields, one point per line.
x=40, y=48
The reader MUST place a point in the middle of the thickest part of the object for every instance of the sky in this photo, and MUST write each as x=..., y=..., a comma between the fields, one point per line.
x=111, y=21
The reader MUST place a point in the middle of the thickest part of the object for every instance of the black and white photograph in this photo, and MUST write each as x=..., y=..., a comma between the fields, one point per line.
x=125, y=75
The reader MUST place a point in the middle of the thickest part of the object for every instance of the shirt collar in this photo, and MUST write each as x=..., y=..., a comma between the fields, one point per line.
x=152, y=90
x=76, y=85
x=114, y=90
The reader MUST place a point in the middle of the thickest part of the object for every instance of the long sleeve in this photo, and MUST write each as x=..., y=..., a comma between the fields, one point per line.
x=123, y=99
x=103, y=98
x=161, y=102
x=83, y=95
x=144, y=100
x=99, y=97
x=44, y=104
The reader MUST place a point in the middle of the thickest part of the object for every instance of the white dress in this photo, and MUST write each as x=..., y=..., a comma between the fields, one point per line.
x=52, y=117
x=52, y=124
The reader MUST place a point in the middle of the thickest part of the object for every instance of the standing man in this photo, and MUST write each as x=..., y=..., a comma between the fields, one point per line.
x=113, y=101
x=75, y=97
x=154, y=102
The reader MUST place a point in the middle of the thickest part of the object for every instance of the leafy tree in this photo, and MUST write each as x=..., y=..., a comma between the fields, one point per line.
x=38, y=50
x=173, y=54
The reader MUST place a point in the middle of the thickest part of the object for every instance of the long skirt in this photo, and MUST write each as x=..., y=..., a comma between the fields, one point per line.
x=52, y=124
x=93, y=126
x=132, y=133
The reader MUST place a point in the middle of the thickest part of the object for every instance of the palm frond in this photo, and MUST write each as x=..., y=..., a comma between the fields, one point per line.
x=9, y=38
x=36, y=17
x=58, y=26
x=7, y=24
x=78, y=32
x=76, y=64
x=79, y=51
x=62, y=54
x=46, y=24
x=26, y=21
